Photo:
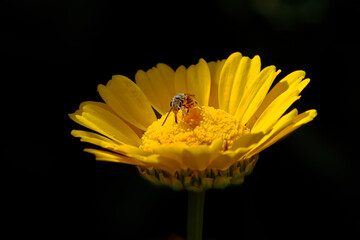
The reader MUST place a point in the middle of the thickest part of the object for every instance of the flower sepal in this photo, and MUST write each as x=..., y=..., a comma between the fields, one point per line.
x=194, y=180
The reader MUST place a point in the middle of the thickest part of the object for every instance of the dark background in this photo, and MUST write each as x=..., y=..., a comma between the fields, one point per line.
x=55, y=53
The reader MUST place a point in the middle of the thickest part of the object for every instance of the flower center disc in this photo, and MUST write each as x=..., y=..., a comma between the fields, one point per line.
x=201, y=126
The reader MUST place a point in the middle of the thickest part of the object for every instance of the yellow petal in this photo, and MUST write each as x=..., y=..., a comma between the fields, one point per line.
x=222, y=161
x=97, y=117
x=159, y=162
x=255, y=67
x=247, y=140
x=225, y=159
x=215, y=70
x=236, y=80
x=80, y=110
x=173, y=151
x=238, y=150
x=303, y=84
x=180, y=80
x=245, y=79
x=101, y=155
x=298, y=121
x=194, y=80
x=152, y=160
x=95, y=139
x=158, y=85
x=254, y=97
x=107, y=143
x=275, y=110
x=226, y=80
x=199, y=82
x=199, y=157
x=281, y=124
x=138, y=131
x=239, y=83
x=193, y=157
x=126, y=99
x=285, y=84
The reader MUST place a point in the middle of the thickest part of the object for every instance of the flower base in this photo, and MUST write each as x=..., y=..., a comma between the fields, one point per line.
x=194, y=180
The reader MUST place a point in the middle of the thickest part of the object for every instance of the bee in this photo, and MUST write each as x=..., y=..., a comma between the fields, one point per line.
x=180, y=102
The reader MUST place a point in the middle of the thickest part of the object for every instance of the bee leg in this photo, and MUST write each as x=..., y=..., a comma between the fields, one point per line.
x=166, y=117
x=183, y=110
x=176, y=118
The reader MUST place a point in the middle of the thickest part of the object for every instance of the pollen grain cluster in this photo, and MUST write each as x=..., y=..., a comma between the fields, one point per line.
x=202, y=125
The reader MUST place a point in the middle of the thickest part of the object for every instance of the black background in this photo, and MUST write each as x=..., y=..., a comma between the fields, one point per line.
x=56, y=52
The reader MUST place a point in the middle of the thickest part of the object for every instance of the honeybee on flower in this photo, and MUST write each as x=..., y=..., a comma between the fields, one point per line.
x=180, y=102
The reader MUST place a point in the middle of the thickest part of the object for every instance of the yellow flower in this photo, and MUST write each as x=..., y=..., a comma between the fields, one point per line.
x=211, y=144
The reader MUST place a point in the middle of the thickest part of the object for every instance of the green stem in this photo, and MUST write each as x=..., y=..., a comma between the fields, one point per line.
x=195, y=215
